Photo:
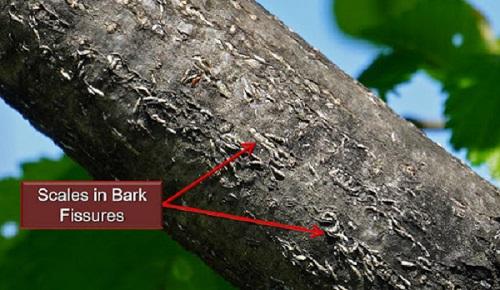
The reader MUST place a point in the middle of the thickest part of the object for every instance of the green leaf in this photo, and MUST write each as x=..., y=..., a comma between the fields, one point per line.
x=472, y=109
x=103, y=260
x=46, y=169
x=425, y=27
x=91, y=259
x=490, y=157
x=473, y=103
x=453, y=43
x=389, y=70
x=9, y=211
x=358, y=17
x=9, y=200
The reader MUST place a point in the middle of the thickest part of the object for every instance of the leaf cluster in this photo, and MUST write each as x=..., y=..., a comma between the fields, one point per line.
x=452, y=42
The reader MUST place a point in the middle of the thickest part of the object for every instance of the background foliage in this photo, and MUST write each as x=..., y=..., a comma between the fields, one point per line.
x=48, y=260
x=452, y=42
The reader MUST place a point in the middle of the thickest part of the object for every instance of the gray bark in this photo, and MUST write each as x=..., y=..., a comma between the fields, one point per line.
x=167, y=89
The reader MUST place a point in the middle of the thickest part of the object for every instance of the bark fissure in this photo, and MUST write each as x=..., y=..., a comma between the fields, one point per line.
x=166, y=89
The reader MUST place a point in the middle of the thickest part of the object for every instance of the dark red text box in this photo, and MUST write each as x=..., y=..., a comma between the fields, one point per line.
x=91, y=205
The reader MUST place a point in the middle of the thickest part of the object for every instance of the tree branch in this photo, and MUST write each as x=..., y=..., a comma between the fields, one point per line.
x=426, y=124
x=166, y=89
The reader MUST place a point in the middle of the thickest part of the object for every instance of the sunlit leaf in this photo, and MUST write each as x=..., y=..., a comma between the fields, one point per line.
x=490, y=157
x=473, y=104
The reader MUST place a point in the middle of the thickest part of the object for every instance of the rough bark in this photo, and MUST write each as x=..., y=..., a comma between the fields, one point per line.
x=166, y=89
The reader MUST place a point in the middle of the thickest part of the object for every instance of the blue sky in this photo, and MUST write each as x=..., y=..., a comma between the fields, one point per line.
x=313, y=20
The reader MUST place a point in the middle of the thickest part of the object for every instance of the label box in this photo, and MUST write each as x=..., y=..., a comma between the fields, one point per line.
x=91, y=205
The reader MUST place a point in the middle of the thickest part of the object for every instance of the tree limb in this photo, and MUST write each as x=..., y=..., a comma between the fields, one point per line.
x=166, y=89
x=426, y=124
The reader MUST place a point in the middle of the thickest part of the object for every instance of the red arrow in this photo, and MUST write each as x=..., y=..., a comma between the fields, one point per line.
x=314, y=231
x=247, y=148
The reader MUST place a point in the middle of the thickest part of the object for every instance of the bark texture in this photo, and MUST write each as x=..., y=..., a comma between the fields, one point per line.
x=166, y=89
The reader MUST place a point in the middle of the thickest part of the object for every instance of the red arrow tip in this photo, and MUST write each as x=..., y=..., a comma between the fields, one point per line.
x=248, y=147
x=315, y=231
